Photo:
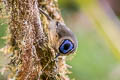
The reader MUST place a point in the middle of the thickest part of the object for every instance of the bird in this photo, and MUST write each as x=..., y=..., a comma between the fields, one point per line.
x=63, y=40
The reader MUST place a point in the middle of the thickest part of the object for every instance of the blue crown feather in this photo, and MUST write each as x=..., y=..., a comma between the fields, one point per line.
x=66, y=46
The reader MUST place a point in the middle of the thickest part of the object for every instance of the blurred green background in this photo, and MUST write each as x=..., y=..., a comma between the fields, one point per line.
x=97, y=28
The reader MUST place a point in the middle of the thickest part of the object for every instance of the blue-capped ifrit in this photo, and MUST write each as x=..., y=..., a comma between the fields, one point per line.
x=61, y=37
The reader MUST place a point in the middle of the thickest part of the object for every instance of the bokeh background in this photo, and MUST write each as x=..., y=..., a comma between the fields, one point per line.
x=97, y=26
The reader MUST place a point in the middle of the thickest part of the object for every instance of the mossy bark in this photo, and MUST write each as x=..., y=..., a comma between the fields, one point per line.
x=32, y=55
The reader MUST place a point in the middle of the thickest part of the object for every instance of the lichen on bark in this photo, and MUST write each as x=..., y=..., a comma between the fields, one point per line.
x=32, y=57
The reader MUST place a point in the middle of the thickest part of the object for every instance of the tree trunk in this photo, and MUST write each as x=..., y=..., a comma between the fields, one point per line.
x=32, y=55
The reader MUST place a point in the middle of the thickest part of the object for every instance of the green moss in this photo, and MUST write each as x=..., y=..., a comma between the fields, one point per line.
x=3, y=28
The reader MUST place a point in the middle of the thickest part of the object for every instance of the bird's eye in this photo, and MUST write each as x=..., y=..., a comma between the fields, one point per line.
x=66, y=46
x=57, y=23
